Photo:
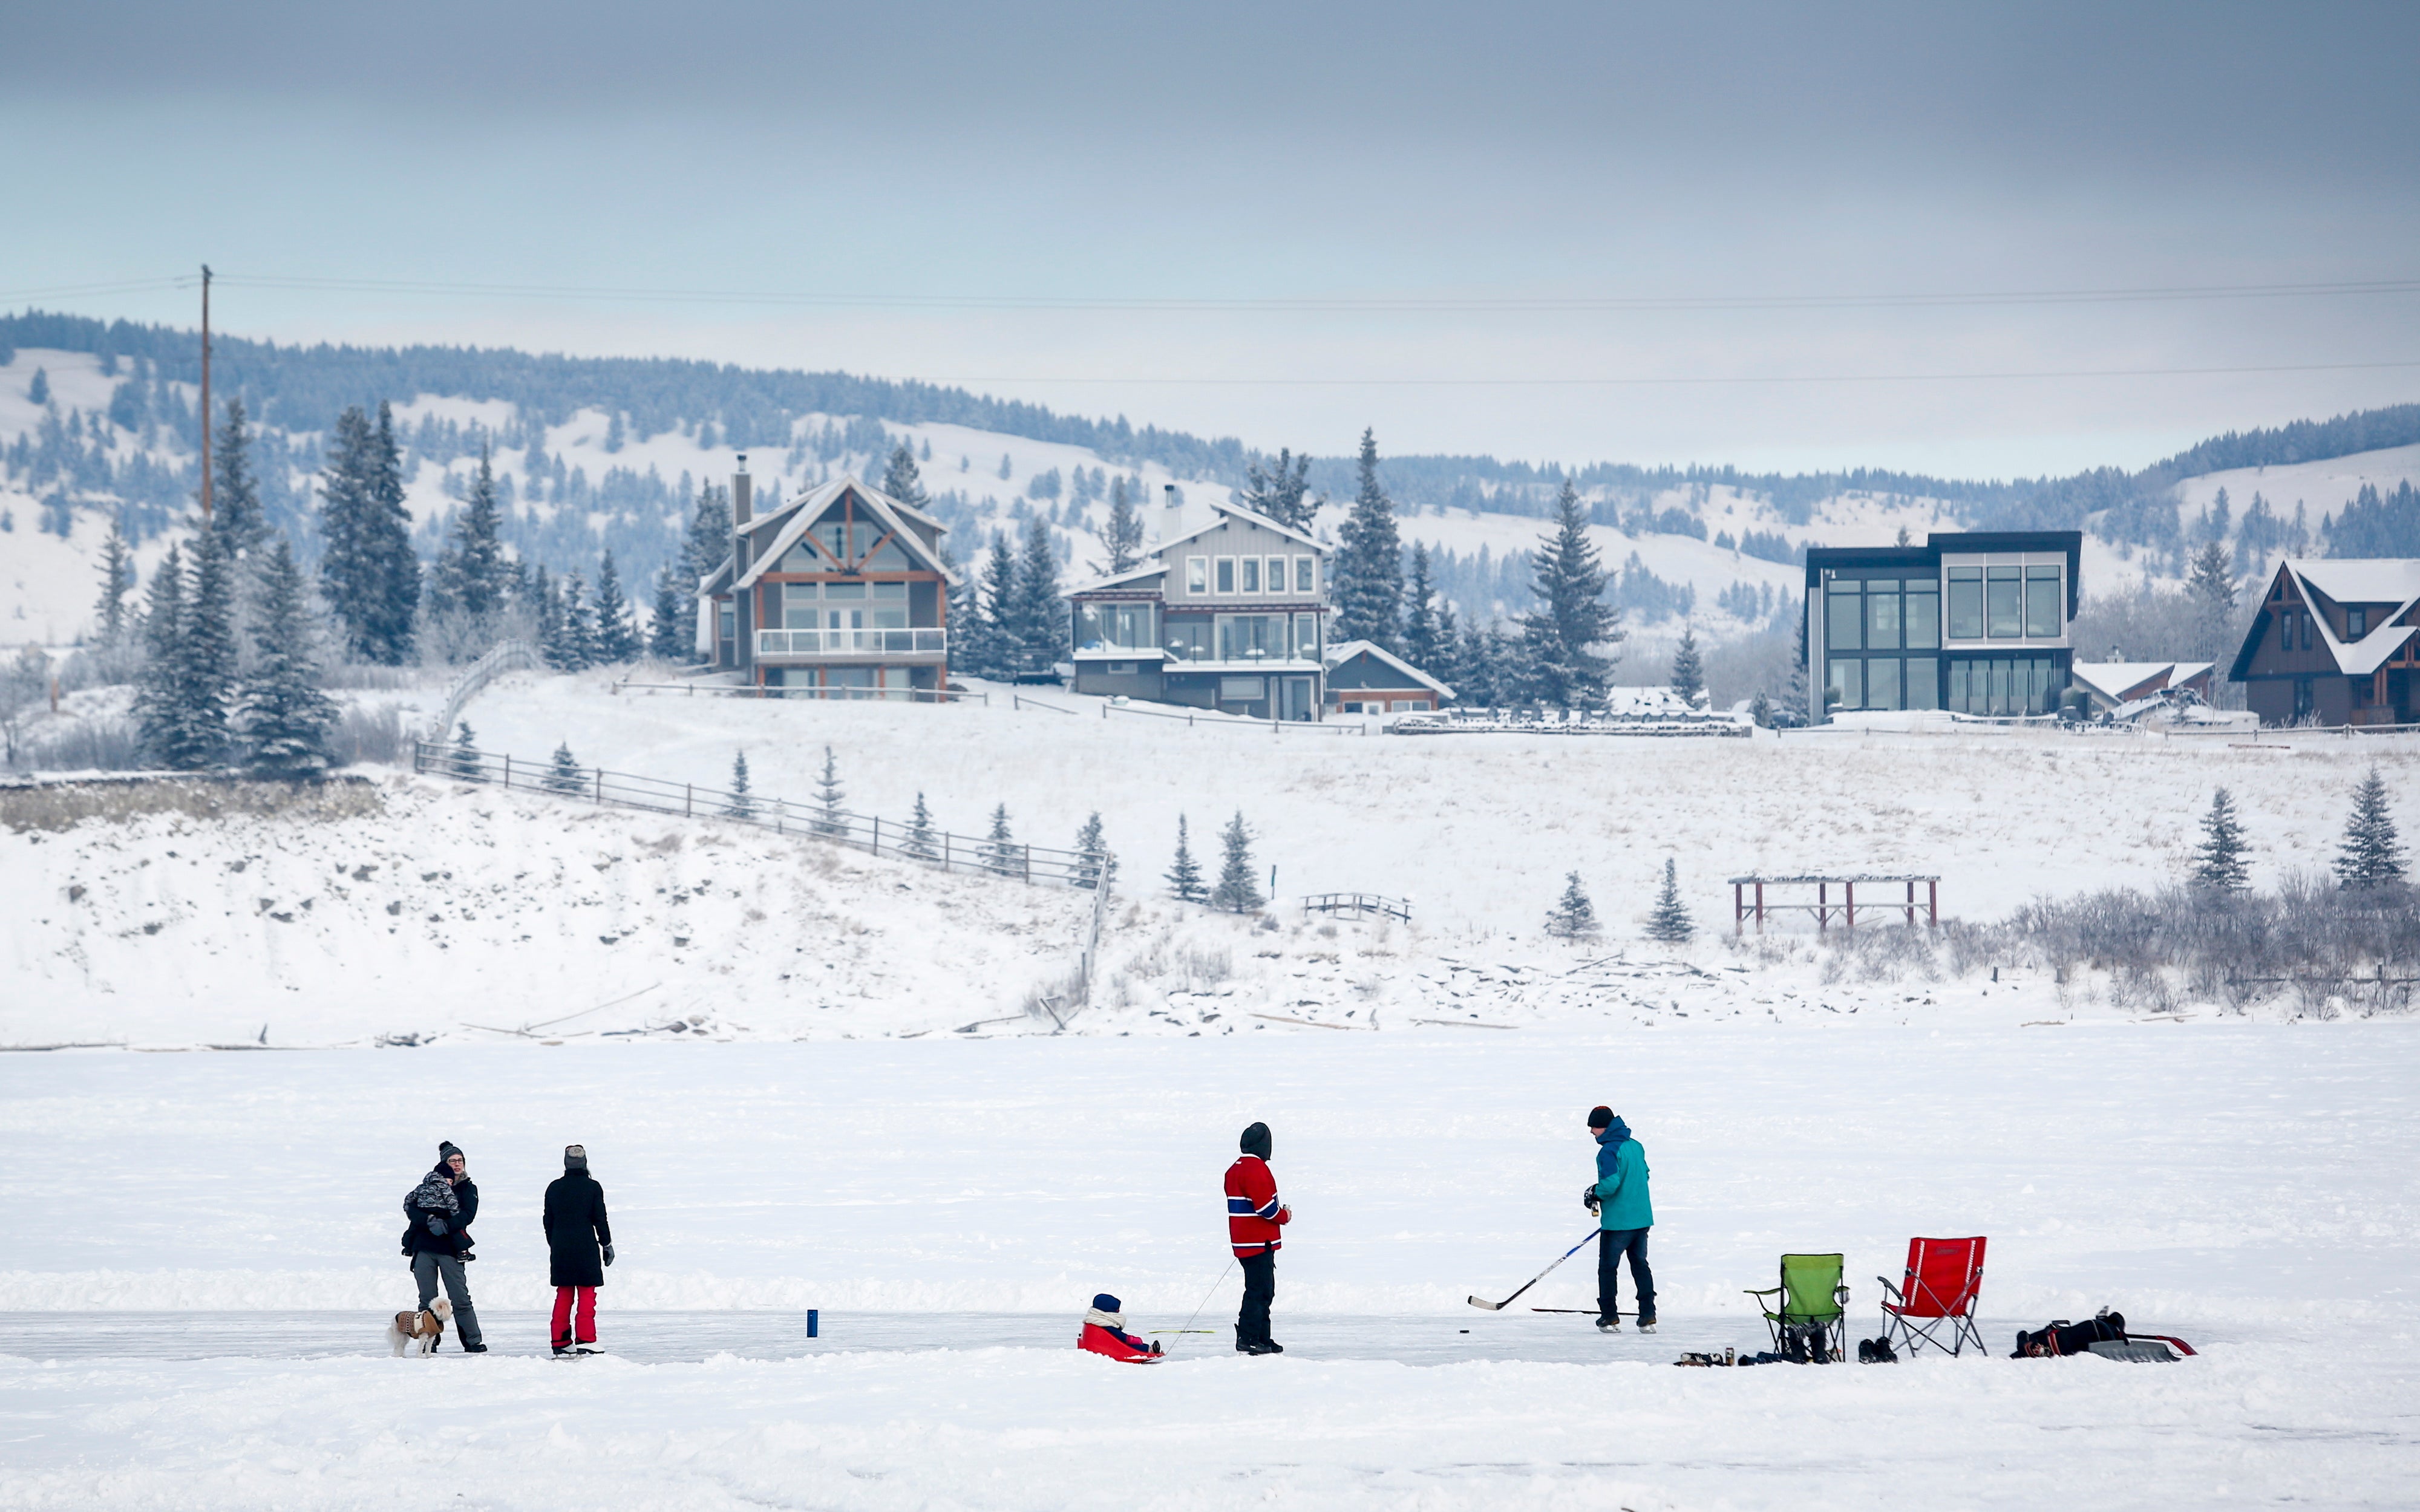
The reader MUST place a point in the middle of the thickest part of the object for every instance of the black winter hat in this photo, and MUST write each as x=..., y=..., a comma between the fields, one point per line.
x=1600, y=1117
x=1256, y=1141
x=447, y=1149
x=575, y=1157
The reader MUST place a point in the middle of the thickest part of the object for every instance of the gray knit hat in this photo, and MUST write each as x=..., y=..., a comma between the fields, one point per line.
x=575, y=1157
x=447, y=1149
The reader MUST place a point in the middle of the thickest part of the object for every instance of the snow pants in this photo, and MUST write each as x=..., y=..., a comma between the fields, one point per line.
x=428, y=1269
x=1260, y=1289
x=564, y=1297
x=1611, y=1245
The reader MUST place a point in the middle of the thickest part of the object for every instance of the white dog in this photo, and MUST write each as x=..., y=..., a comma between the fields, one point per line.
x=418, y=1333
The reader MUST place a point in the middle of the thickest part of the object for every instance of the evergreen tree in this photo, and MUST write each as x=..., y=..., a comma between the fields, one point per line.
x=1185, y=873
x=2220, y=863
x=1280, y=491
x=2210, y=587
x=1094, y=865
x=1571, y=617
x=997, y=652
x=709, y=538
x=1671, y=923
x=1573, y=917
x=923, y=841
x=739, y=805
x=1038, y=616
x=2371, y=856
x=672, y=633
x=116, y=581
x=1000, y=852
x=237, y=523
x=368, y=572
x=206, y=660
x=1448, y=652
x=564, y=775
x=830, y=819
x=156, y=710
x=1123, y=536
x=545, y=604
x=1422, y=646
x=463, y=762
x=1369, y=565
x=1688, y=669
x=1796, y=711
x=617, y=639
x=1005, y=472
x=902, y=481
x=1759, y=710
x=471, y=577
x=569, y=631
x=1238, y=891
x=38, y=391
x=281, y=718
x=1478, y=662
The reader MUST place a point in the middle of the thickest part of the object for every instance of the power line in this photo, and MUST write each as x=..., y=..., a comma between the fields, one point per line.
x=1642, y=382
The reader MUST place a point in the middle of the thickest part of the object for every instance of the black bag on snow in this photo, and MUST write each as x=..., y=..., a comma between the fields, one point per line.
x=2063, y=1337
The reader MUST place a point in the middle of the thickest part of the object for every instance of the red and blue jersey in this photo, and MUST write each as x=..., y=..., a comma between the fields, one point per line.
x=1254, y=1213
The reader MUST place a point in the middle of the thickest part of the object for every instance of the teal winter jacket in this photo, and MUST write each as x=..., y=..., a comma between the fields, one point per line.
x=1622, y=1180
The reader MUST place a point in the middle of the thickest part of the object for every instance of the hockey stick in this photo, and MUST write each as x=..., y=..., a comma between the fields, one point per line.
x=1499, y=1307
x=1589, y=1311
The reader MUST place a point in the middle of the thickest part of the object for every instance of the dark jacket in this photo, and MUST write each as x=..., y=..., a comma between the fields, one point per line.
x=575, y=1227
x=437, y=1211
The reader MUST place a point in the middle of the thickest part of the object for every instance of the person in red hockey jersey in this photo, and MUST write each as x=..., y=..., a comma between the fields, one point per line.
x=1255, y=1220
x=1104, y=1332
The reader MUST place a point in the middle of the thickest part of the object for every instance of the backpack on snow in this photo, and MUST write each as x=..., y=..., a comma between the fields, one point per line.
x=2063, y=1337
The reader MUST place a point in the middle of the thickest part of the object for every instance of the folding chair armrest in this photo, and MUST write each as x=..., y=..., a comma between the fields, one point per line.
x=1892, y=1289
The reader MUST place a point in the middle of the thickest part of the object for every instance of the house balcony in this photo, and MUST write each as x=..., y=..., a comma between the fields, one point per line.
x=816, y=645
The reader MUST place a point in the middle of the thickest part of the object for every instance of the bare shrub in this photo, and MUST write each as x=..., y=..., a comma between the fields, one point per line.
x=55, y=806
x=368, y=734
x=1206, y=966
x=107, y=743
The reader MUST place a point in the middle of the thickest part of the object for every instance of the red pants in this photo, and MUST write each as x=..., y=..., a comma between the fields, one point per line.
x=563, y=1296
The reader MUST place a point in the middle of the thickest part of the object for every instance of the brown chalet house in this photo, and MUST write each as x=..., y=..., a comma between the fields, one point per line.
x=2334, y=643
x=840, y=593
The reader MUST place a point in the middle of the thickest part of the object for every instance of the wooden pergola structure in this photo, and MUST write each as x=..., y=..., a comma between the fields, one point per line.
x=1749, y=899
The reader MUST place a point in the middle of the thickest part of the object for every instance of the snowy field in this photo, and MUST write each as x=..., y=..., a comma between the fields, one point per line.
x=2247, y=1186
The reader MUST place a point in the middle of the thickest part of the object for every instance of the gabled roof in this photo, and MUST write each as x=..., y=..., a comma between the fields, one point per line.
x=808, y=507
x=1249, y=516
x=2117, y=680
x=2349, y=581
x=1344, y=650
x=1119, y=579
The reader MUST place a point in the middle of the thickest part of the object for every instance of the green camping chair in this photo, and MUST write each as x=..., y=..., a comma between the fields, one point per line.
x=1811, y=1317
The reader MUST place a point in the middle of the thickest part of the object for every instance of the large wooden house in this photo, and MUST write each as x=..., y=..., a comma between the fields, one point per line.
x=841, y=593
x=2333, y=643
x=1364, y=677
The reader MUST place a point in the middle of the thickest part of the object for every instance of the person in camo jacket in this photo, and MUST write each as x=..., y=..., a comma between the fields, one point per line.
x=439, y=1211
x=1255, y=1221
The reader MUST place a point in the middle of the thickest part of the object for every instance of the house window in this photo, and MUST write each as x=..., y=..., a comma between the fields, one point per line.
x=1841, y=613
x=1921, y=620
x=797, y=605
x=887, y=557
x=2356, y=624
x=1306, y=574
x=2043, y=618
x=1881, y=683
x=1923, y=683
x=1250, y=637
x=1965, y=603
x=1276, y=575
x=1881, y=616
x=2002, y=611
x=1197, y=575
x=1226, y=574
x=1241, y=689
x=1306, y=637
x=1251, y=566
x=1845, y=688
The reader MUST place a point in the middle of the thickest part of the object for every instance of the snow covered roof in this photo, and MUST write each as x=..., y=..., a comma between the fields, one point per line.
x=1250, y=516
x=2119, y=680
x=1120, y=579
x=809, y=507
x=1344, y=650
x=2383, y=579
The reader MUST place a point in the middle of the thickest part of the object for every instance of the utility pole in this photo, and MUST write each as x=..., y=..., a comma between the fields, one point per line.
x=206, y=393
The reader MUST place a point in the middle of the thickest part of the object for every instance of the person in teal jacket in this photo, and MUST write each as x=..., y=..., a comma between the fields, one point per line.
x=1619, y=1199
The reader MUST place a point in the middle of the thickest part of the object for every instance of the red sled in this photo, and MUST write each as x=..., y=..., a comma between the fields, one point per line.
x=1124, y=1348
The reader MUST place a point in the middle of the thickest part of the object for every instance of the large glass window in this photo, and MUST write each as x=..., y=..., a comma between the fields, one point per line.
x=1188, y=638
x=887, y=557
x=1251, y=575
x=1923, y=683
x=2042, y=603
x=1119, y=627
x=1845, y=684
x=1277, y=577
x=1250, y=637
x=1965, y=603
x=2002, y=613
x=1958, y=698
x=1226, y=574
x=1882, y=683
x=797, y=605
x=1197, y=575
x=1306, y=637
x=1922, y=618
x=1882, y=614
x=1306, y=574
x=1841, y=612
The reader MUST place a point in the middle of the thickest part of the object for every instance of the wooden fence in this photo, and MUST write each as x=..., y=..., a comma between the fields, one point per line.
x=1358, y=903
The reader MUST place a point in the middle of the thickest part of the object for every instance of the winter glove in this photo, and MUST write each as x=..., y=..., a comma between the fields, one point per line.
x=608, y=1254
x=436, y=1225
x=1589, y=1197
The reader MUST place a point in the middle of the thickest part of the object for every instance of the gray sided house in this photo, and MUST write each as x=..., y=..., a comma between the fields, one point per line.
x=841, y=593
x=2333, y=643
x=1364, y=677
x=1973, y=622
x=1228, y=613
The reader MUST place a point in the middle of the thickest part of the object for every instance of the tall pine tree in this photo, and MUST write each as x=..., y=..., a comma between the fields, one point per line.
x=1573, y=917
x=1424, y=645
x=387, y=534
x=1038, y=614
x=563, y=774
x=1669, y=923
x=902, y=481
x=236, y=523
x=205, y=660
x=2210, y=588
x=1000, y=852
x=1238, y=891
x=1123, y=535
x=471, y=577
x=282, y=719
x=1571, y=615
x=116, y=582
x=993, y=649
x=156, y=711
x=1688, y=669
x=672, y=629
x=617, y=639
x=924, y=841
x=1185, y=873
x=1094, y=866
x=1281, y=491
x=353, y=575
x=1369, y=564
x=2371, y=856
x=829, y=817
x=2218, y=860
x=739, y=803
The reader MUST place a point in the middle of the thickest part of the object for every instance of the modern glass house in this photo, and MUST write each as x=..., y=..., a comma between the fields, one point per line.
x=1973, y=622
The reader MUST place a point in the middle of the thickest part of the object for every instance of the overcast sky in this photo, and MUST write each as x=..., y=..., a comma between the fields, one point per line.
x=1285, y=221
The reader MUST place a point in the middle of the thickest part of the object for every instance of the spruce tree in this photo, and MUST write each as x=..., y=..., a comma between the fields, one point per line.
x=116, y=581
x=463, y=762
x=387, y=542
x=923, y=841
x=1369, y=564
x=902, y=481
x=563, y=775
x=156, y=688
x=2210, y=586
x=237, y=523
x=739, y=805
x=206, y=660
x=1094, y=866
x=830, y=819
x=1000, y=852
x=998, y=652
x=1185, y=873
x=281, y=718
x=1036, y=617
x=38, y=391
x=2371, y=856
x=1238, y=891
x=1571, y=615
x=709, y=538
x=1421, y=646
x=367, y=571
x=473, y=568
x=617, y=639
x=1573, y=917
x=1280, y=491
x=1688, y=669
x=1796, y=710
x=1669, y=923
x=2219, y=862
x=672, y=631
x=1123, y=535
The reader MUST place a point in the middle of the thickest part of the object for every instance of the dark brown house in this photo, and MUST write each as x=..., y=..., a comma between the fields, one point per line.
x=2333, y=643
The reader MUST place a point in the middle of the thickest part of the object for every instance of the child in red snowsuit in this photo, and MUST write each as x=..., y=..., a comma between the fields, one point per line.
x=1104, y=1332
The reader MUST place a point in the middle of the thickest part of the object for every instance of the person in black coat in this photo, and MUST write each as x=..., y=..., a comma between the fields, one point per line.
x=579, y=1245
x=437, y=1242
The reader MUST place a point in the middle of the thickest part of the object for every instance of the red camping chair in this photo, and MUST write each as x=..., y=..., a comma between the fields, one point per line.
x=1944, y=1276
